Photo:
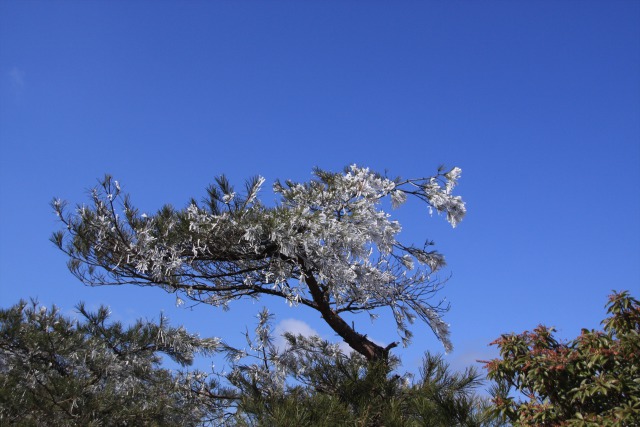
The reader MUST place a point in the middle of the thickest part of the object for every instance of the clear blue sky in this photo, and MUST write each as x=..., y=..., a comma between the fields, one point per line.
x=537, y=101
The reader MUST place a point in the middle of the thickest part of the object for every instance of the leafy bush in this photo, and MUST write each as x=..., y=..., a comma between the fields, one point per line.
x=593, y=380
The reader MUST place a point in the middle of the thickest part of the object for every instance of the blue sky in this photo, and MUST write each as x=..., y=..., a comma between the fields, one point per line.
x=538, y=102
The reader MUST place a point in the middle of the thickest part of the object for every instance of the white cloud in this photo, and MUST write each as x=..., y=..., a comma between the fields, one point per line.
x=344, y=347
x=293, y=326
x=296, y=327
x=17, y=77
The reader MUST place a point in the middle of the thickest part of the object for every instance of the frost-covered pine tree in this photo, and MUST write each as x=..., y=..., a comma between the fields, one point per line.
x=92, y=371
x=326, y=244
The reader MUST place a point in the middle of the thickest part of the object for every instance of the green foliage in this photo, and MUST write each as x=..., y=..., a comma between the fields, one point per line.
x=61, y=372
x=97, y=372
x=593, y=380
x=333, y=389
x=326, y=245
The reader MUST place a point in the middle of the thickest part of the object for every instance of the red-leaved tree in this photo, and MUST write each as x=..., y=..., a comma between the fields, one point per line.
x=593, y=380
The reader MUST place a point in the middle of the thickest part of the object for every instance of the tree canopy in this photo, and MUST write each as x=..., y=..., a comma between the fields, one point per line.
x=93, y=371
x=593, y=380
x=57, y=371
x=326, y=244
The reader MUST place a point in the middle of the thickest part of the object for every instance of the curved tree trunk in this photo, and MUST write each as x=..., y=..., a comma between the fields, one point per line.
x=360, y=343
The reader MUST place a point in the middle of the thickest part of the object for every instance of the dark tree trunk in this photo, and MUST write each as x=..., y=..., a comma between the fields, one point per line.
x=360, y=343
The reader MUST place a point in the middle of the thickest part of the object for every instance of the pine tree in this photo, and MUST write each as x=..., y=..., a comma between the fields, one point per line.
x=91, y=372
x=311, y=382
x=326, y=245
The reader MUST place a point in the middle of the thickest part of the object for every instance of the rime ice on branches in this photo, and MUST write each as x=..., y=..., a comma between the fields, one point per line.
x=327, y=244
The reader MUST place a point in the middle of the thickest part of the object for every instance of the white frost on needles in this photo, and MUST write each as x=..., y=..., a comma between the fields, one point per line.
x=332, y=226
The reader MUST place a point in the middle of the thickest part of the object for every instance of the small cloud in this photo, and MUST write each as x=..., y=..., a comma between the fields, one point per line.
x=344, y=347
x=293, y=326
x=17, y=77
x=14, y=82
x=298, y=327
